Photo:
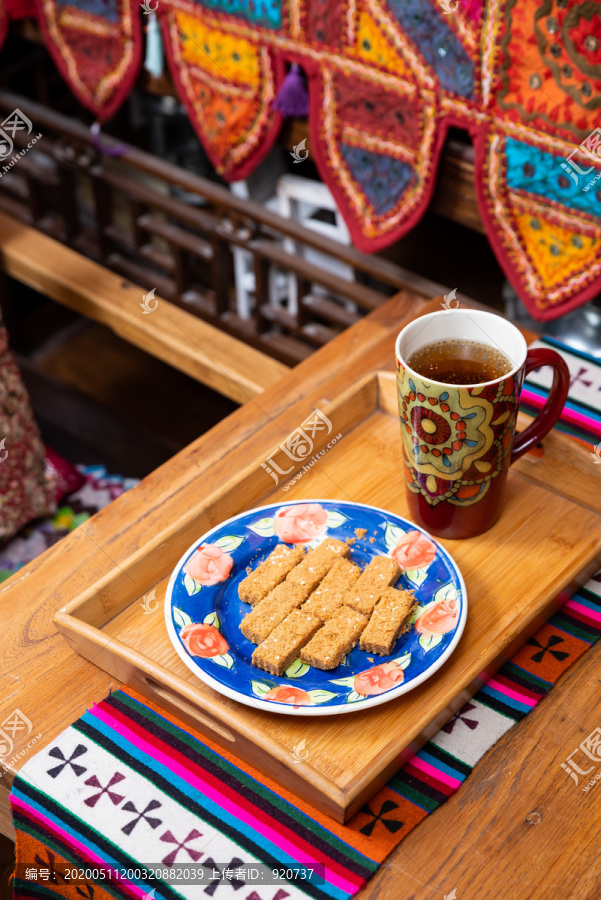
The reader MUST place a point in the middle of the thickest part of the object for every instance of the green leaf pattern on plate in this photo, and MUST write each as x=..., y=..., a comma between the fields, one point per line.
x=446, y=592
x=336, y=519
x=392, y=535
x=181, y=618
x=296, y=669
x=345, y=682
x=191, y=586
x=260, y=688
x=428, y=640
x=354, y=696
x=417, y=611
x=229, y=543
x=225, y=660
x=416, y=576
x=264, y=527
x=320, y=696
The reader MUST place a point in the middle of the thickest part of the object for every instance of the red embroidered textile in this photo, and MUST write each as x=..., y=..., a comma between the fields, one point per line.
x=27, y=490
x=97, y=47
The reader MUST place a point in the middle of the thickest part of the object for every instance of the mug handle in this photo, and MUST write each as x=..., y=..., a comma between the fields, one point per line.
x=551, y=411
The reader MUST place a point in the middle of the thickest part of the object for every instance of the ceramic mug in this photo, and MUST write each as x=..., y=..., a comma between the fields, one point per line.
x=459, y=440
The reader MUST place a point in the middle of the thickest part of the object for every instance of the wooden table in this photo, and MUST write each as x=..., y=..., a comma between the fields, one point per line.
x=517, y=829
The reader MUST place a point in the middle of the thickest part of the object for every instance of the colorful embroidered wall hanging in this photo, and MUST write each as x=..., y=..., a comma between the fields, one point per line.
x=387, y=78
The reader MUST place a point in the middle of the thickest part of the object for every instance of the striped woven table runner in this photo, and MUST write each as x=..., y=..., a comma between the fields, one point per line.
x=128, y=786
x=580, y=417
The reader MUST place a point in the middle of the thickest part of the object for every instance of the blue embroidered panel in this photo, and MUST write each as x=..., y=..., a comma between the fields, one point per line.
x=383, y=179
x=538, y=172
x=106, y=9
x=438, y=44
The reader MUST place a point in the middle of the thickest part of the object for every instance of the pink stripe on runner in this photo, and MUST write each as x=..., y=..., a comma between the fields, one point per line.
x=503, y=689
x=435, y=773
x=568, y=414
x=82, y=849
x=584, y=610
x=571, y=415
x=237, y=812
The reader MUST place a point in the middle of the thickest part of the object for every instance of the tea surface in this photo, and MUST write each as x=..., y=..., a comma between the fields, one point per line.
x=459, y=362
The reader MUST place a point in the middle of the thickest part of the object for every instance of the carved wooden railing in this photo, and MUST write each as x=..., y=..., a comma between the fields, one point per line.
x=121, y=212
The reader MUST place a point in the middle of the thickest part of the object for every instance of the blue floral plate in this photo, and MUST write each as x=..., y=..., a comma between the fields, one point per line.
x=203, y=612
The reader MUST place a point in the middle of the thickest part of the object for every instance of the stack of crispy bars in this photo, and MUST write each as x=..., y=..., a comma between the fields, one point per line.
x=317, y=605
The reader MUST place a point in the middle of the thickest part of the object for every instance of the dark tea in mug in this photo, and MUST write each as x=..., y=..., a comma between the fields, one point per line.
x=459, y=362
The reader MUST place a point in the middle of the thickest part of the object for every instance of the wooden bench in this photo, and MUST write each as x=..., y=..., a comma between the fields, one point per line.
x=170, y=333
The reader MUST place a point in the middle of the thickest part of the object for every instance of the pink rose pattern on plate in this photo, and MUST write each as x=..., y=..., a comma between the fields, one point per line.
x=379, y=679
x=209, y=565
x=301, y=523
x=439, y=618
x=203, y=640
x=414, y=551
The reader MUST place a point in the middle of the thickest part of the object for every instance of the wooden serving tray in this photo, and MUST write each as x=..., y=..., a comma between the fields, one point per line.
x=544, y=542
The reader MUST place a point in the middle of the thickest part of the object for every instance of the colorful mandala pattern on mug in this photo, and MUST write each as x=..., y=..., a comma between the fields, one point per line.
x=455, y=440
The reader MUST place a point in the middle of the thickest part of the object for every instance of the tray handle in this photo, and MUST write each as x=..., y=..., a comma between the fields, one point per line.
x=189, y=710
